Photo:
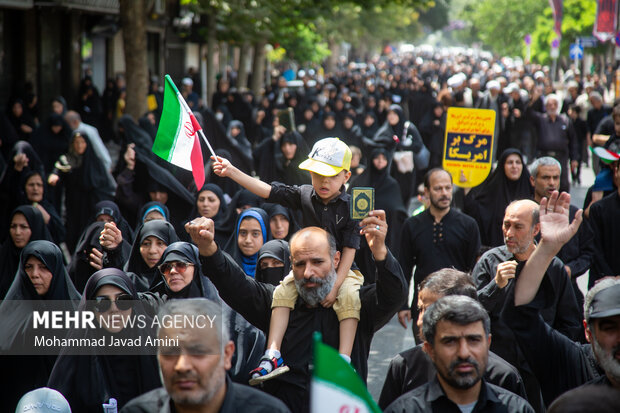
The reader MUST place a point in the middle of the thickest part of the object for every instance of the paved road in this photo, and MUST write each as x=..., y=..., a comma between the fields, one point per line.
x=392, y=338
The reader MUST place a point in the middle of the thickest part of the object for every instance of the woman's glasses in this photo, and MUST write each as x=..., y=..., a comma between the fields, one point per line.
x=123, y=302
x=180, y=266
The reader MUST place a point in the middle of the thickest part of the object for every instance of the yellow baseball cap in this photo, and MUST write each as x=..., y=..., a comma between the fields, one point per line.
x=328, y=157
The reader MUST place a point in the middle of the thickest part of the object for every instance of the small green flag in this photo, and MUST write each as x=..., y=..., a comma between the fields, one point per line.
x=336, y=387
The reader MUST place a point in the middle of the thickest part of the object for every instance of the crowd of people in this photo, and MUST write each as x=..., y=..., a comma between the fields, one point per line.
x=270, y=240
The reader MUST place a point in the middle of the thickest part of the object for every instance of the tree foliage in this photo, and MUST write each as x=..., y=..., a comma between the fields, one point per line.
x=578, y=21
x=501, y=25
x=304, y=27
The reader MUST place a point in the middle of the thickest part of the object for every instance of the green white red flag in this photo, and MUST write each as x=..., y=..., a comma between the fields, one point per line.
x=336, y=387
x=177, y=138
x=606, y=155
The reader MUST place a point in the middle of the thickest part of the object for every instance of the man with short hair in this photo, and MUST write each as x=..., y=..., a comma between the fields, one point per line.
x=577, y=253
x=413, y=368
x=314, y=259
x=440, y=237
x=559, y=363
x=193, y=361
x=494, y=276
x=457, y=337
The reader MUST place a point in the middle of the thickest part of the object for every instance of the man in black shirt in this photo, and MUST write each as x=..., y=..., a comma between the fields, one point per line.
x=494, y=277
x=456, y=337
x=556, y=136
x=440, y=237
x=605, y=220
x=413, y=368
x=313, y=258
x=193, y=360
x=559, y=363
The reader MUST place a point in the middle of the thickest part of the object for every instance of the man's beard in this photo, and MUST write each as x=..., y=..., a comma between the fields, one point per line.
x=436, y=203
x=313, y=296
x=518, y=249
x=607, y=360
x=462, y=381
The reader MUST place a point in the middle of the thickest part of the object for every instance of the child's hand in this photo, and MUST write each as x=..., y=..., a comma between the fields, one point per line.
x=330, y=299
x=222, y=166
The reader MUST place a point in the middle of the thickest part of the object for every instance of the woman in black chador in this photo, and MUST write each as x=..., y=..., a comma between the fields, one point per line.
x=26, y=225
x=85, y=181
x=88, y=381
x=41, y=276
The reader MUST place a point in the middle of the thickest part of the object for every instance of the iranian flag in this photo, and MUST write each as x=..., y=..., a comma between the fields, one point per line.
x=336, y=387
x=177, y=138
x=606, y=155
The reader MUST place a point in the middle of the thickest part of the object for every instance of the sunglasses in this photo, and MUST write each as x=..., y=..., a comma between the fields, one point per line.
x=123, y=302
x=180, y=266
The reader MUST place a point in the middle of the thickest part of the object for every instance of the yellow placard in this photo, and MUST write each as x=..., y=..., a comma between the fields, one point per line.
x=468, y=145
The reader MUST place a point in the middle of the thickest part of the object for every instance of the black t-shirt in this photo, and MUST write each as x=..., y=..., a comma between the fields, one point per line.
x=413, y=368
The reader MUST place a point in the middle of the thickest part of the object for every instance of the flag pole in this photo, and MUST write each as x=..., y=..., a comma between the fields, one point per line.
x=204, y=138
x=191, y=114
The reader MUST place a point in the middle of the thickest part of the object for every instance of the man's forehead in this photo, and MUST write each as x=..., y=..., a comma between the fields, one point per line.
x=519, y=212
x=448, y=328
x=548, y=170
x=309, y=243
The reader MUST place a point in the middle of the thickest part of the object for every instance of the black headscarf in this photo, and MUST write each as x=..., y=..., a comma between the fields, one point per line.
x=219, y=220
x=241, y=198
x=386, y=132
x=110, y=208
x=143, y=276
x=9, y=253
x=80, y=269
x=487, y=202
x=88, y=381
x=63, y=102
x=277, y=209
x=56, y=226
x=25, y=373
x=241, y=146
x=200, y=286
x=271, y=165
x=278, y=249
x=248, y=264
x=11, y=179
x=61, y=287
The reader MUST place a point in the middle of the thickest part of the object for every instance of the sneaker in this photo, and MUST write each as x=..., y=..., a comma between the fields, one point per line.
x=261, y=374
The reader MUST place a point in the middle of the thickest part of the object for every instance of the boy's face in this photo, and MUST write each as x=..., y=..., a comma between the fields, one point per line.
x=328, y=187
